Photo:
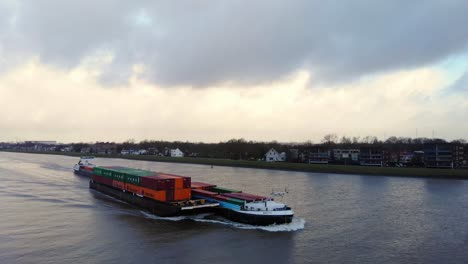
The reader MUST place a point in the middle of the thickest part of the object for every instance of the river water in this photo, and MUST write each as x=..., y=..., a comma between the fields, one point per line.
x=49, y=215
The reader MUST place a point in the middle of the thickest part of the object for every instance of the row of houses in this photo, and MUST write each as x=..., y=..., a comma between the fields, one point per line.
x=434, y=155
x=440, y=155
x=175, y=153
x=97, y=148
x=111, y=148
x=40, y=146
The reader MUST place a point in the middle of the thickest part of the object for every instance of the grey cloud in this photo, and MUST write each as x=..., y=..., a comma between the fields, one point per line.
x=206, y=42
x=459, y=86
x=5, y=18
x=63, y=32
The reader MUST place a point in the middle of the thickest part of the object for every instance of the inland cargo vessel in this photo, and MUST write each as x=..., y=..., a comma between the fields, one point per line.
x=166, y=194
x=243, y=207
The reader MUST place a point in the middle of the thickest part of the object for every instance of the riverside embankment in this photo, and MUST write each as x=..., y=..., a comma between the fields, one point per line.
x=303, y=167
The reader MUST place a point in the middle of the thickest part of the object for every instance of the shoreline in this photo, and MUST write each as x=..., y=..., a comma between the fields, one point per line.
x=286, y=166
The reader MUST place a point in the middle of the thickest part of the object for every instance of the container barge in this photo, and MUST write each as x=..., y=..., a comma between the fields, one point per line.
x=165, y=194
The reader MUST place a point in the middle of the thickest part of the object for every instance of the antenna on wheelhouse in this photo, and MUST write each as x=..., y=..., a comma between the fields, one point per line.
x=279, y=193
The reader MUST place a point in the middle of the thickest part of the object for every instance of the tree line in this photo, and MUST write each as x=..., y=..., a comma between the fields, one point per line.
x=253, y=150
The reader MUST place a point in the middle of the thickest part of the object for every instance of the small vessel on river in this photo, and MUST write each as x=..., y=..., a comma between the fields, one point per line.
x=85, y=166
x=166, y=194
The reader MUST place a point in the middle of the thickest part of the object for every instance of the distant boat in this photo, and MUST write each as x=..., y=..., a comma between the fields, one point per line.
x=85, y=166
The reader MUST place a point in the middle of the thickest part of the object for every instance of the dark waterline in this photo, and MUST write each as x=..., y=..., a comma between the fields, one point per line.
x=48, y=215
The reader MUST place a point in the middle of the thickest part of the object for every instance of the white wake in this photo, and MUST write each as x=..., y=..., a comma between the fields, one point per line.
x=296, y=223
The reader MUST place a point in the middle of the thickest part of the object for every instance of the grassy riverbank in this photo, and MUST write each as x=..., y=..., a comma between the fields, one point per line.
x=387, y=171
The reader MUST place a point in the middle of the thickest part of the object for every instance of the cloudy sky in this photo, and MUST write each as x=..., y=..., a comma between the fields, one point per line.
x=215, y=70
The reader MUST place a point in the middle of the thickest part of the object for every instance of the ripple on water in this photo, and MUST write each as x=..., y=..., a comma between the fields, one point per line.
x=295, y=225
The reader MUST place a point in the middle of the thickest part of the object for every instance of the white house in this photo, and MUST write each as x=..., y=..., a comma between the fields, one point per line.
x=282, y=156
x=176, y=153
x=142, y=152
x=272, y=155
x=67, y=149
x=129, y=152
x=125, y=152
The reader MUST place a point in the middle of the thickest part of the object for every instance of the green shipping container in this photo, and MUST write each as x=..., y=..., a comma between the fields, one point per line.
x=97, y=171
x=107, y=173
x=104, y=172
x=133, y=176
x=224, y=190
x=127, y=175
x=119, y=176
x=235, y=201
x=133, y=179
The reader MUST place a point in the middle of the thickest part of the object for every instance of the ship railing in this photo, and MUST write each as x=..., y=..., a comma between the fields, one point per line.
x=86, y=157
x=285, y=208
x=282, y=209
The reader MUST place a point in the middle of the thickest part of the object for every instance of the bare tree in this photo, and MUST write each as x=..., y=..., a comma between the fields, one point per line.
x=330, y=139
x=345, y=140
x=356, y=140
x=460, y=141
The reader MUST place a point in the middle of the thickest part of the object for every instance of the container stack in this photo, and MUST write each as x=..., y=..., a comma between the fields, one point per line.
x=230, y=196
x=224, y=190
x=204, y=193
x=245, y=197
x=230, y=200
x=202, y=186
x=153, y=185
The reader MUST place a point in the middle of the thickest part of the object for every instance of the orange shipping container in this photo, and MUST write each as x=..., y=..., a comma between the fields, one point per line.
x=179, y=181
x=118, y=184
x=133, y=188
x=182, y=194
x=153, y=194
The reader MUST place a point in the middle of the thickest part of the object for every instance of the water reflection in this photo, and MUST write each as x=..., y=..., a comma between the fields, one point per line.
x=50, y=215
